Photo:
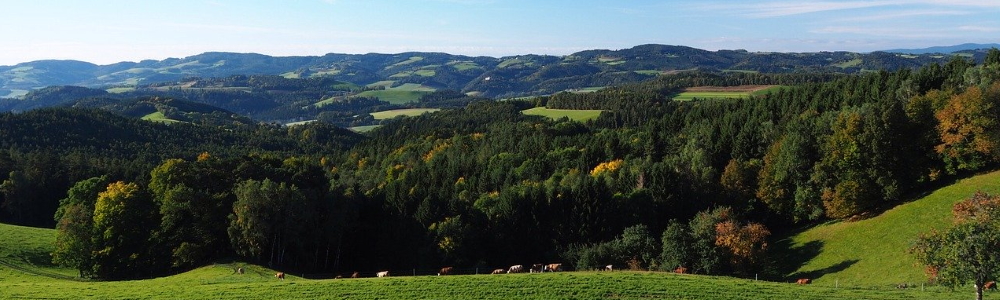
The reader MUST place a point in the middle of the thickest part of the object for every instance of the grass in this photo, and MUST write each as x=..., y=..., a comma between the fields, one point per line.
x=389, y=114
x=688, y=96
x=577, y=115
x=394, y=96
x=119, y=90
x=159, y=117
x=874, y=251
x=365, y=128
x=464, y=65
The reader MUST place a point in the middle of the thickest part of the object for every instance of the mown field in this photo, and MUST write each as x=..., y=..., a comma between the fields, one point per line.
x=389, y=114
x=403, y=94
x=732, y=92
x=577, y=115
x=873, y=252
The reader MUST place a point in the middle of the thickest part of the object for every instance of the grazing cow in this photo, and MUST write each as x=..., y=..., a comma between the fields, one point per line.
x=537, y=268
x=339, y=276
x=803, y=281
x=280, y=275
x=497, y=271
x=515, y=269
x=382, y=274
x=681, y=270
x=239, y=270
x=445, y=271
x=990, y=285
x=355, y=275
x=553, y=267
x=609, y=268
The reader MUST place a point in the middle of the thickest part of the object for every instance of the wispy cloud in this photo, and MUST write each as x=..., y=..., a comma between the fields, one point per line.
x=977, y=28
x=782, y=8
x=905, y=14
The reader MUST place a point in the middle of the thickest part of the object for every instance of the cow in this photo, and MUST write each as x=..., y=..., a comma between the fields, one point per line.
x=280, y=275
x=445, y=271
x=382, y=274
x=339, y=276
x=497, y=271
x=990, y=285
x=515, y=269
x=239, y=270
x=537, y=268
x=355, y=275
x=553, y=267
x=803, y=281
x=609, y=268
x=681, y=270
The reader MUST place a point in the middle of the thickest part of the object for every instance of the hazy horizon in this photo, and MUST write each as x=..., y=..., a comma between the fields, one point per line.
x=111, y=31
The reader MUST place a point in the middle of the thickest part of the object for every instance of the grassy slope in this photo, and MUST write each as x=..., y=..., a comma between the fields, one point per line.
x=389, y=114
x=873, y=252
x=577, y=115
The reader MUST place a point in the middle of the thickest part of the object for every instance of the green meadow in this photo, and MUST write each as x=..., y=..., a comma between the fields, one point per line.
x=873, y=252
x=577, y=115
x=389, y=114
x=402, y=94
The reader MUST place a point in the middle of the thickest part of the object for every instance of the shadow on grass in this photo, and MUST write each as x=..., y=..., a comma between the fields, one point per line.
x=791, y=259
x=828, y=270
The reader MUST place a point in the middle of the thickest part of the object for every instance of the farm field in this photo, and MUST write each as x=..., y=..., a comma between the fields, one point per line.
x=846, y=253
x=730, y=92
x=403, y=94
x=158, y=117
x=389, y=114
x=577, y=115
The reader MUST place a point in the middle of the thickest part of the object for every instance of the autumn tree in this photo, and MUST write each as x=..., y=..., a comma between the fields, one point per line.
x=969, y=130
x=121, y=233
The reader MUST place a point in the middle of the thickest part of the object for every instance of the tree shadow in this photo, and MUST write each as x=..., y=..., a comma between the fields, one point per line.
x=828, y=270
x=792, y=258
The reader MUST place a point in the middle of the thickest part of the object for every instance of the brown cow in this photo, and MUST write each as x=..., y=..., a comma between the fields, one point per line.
x=681, y=270
x=537, y=268
x=803, y=281
x=280, y=275
x=990, y=285
x=553, y=267
x=445, y=271
x=356, y=275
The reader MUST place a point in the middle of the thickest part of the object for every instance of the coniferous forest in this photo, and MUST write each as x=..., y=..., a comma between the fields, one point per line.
x=652, y=183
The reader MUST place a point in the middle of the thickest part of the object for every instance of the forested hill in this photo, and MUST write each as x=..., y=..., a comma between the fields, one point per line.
x=489, y=76
x=44, y=151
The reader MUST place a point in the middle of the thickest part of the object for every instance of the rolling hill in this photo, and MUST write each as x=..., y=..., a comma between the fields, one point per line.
x=487, y=76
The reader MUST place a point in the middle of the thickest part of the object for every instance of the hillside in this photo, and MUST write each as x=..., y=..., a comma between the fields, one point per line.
x=486, y=76
x=873, y=252
x=37, y=279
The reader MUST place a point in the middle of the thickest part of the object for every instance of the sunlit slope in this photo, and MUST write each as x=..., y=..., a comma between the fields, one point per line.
x=873, y=252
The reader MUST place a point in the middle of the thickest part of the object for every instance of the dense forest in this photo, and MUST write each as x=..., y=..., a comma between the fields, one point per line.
x=652, y=183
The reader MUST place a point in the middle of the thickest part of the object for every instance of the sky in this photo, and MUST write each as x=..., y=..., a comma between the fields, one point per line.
x=110, y=31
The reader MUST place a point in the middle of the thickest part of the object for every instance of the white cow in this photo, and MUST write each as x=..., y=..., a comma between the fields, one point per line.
x=515, y=269
x=383, y=274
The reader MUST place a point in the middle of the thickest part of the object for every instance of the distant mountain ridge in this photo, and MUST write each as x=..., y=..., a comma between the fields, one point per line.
x=487, y=76
x=945, y=49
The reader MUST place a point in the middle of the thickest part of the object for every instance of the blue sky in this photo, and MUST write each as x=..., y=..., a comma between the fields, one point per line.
x=108, y=31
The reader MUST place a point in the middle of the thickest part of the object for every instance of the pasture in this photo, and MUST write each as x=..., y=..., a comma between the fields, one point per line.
x=729, y=92
x=573, y=114
x=873, y=252
x=158, y=117
x=389, y=114
x=402, y=94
